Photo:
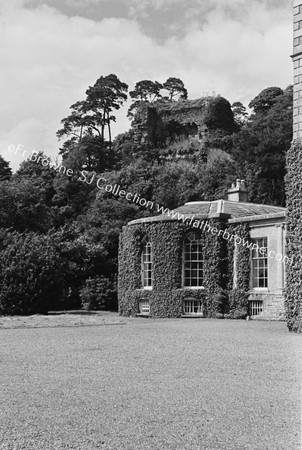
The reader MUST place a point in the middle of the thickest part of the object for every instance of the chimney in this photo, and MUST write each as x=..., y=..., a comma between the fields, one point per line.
x=238, y=192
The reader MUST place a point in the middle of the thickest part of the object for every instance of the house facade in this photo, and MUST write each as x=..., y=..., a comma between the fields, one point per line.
x=223, y=258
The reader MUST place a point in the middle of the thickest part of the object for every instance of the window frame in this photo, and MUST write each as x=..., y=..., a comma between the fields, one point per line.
x=144, y=307
x=192, y=300
x=259, y=257
x=297, y=41
x=193, y=237
x=147, y=244
x=256, y=305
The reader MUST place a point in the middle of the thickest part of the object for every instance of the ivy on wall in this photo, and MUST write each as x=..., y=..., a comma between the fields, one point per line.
x=293, y=183
x=167, y=296
x=238, y=285
x=215, y=258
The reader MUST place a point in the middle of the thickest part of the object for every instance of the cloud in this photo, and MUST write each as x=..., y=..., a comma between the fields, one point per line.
x=49, y=58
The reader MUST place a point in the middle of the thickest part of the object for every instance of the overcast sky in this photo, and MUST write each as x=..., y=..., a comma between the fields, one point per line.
x=52, y=50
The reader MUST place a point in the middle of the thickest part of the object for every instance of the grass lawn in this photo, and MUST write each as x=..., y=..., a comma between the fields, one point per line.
x=140, y=384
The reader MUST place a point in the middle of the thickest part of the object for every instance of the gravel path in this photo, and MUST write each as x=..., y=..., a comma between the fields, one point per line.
x=151, y=384
x=76, y=319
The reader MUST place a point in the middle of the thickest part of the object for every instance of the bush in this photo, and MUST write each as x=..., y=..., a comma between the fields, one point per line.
x=97, y=293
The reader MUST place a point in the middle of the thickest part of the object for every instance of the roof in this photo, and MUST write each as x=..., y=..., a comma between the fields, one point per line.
x=231, y=208
x=217, y=209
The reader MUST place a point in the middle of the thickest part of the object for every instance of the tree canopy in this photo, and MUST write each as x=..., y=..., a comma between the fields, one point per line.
x=266, y=99
x=90, y=118
x=176, y=88
x=5, y=170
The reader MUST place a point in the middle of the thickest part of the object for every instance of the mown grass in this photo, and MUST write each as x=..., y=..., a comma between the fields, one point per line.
x=151, y=384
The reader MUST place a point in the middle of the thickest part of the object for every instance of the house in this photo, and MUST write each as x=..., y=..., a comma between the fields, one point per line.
x=222, y=258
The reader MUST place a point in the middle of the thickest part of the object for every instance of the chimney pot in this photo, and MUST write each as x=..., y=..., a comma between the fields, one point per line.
x=238, y=192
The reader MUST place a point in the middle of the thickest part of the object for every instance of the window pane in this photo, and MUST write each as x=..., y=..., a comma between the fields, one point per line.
x=147, y=264
x=259, y=263
x=192, y=307
x=193, y=261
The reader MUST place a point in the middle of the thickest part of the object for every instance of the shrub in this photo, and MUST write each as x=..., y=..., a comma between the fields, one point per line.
x=97, y=293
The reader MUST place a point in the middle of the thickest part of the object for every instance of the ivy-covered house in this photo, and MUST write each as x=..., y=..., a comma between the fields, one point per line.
x=222, y=258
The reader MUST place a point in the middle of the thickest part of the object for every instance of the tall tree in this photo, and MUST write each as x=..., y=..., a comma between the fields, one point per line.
x=107, y=94
x=5, y=170
x=89, y=120
x=240, y=113
x=261, y=145
x=176, y=88
x=146, y=91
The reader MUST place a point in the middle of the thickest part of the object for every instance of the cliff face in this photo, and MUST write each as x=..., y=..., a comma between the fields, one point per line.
x=184, y=119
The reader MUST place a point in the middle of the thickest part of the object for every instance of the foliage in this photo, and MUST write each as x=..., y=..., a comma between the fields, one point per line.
x=167, y=296
x=215, y=266
x=266, y=99
x=219, y=115
x=31, y=274
x=240, y=114
x=91, y=117
x=293, y=238
x=146, y=91
x=97, y=293
x=5, y=170
x=84, y=221
x=260, y=147
x=23, y=205
x=239, y=256
x=175, y=87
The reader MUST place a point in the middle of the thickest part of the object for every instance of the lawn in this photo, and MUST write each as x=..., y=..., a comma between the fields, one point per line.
x=140, y=384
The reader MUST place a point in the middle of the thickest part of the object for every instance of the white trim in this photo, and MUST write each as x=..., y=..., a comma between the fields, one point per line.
x=183, y=261
x=259, y=288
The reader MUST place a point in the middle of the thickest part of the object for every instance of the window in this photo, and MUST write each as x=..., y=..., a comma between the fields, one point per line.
x=193, y=261
x=297, y=41
x=297, y=9
x=144, y=307
x=192, y=307
x=255, y=307
x=147, y=264
x=298, y=25
x=259, y=263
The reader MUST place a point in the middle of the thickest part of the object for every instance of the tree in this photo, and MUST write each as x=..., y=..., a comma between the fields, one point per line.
x=90, y=118
x=107, y=94
x=25, y=203
x=175, y=87
x=260, y=147
x=31, y=274
x=5, y=170
x=146, y=91
x=266, y=99
x=240, y=113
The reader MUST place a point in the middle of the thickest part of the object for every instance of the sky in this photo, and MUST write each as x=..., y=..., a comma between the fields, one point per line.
x=51, y=51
